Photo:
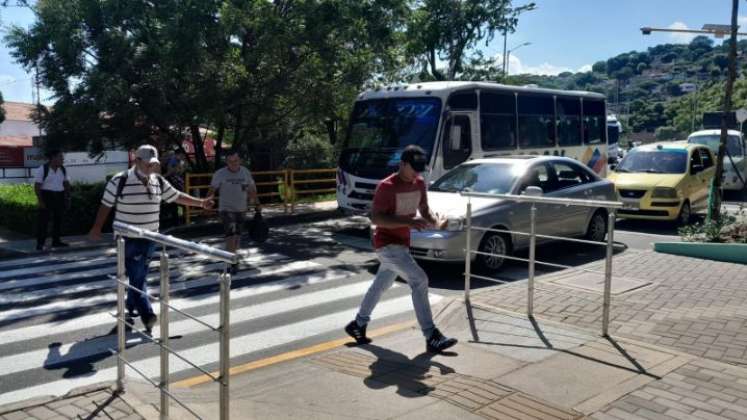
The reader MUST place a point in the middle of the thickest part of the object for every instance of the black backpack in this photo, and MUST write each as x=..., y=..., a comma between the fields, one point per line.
x=123, y=181
x=46, y=171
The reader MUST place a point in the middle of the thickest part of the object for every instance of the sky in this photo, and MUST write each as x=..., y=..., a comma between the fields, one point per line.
x=564, y=35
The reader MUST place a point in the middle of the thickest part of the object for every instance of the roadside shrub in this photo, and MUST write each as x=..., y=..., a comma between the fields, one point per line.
x=732, y=227
x=19, y=208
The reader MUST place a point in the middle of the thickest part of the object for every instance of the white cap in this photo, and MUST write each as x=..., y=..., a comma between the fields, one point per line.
x=147, y=153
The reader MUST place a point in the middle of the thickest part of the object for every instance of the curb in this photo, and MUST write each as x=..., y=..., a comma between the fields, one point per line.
x=184, y=232
x=46, y=399
x=725, y=252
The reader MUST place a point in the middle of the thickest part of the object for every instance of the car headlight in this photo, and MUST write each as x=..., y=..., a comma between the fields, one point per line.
x=664, y=192
x=455, y=224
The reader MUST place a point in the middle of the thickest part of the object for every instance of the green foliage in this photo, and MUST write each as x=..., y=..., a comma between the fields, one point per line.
x=18, y=208
x=668, y=133
x=731, y=227
x=310, y=151
x=451, y=30
x=2, y=110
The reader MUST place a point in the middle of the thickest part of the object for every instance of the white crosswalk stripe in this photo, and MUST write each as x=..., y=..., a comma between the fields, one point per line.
x=55, y=314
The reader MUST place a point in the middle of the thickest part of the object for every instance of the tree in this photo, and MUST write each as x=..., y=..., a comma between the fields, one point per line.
x=599, y=67
x=256, y=72
x=448, y=30
x=2, y=110
x=667, y=133
x=714, y=210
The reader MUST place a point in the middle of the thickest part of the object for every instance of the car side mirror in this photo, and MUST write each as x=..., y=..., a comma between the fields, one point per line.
x=533, y=191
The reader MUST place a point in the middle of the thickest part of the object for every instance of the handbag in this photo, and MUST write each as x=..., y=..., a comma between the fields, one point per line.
x=258, y=230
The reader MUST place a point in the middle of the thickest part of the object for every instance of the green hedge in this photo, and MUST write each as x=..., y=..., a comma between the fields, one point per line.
x=18, y=208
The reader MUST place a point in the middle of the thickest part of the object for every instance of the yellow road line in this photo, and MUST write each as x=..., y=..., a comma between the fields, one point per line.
x=284, y=357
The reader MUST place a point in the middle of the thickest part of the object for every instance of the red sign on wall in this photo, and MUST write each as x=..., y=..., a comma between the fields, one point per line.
x=11, y=157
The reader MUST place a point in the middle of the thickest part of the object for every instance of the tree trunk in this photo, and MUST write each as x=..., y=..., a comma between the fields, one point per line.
x=715, y=204
x=219, y=144
x=200, y=159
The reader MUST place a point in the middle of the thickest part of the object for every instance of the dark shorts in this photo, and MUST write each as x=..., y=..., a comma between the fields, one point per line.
x=232, y=222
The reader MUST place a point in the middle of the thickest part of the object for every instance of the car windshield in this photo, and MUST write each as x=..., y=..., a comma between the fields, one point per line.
x=733, y=143
x=491, y=178
x=661, y=161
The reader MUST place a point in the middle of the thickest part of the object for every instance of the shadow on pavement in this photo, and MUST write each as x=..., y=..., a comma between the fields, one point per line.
x=408, y=375
x=633, y=366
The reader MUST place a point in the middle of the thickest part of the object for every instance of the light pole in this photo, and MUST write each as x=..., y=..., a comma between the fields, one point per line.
x=508, y=54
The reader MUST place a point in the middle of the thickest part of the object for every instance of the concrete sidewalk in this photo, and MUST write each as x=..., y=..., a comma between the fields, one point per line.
x=677, y=351
x=14, y=245
x=506, y=367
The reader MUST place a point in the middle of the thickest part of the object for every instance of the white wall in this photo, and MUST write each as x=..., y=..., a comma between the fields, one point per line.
x=80, y=168
x=18, y=128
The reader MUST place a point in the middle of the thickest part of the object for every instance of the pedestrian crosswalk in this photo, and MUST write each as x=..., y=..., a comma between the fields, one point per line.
x=56, y=331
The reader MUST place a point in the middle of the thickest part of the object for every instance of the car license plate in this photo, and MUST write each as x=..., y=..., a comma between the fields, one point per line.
x=631, y=206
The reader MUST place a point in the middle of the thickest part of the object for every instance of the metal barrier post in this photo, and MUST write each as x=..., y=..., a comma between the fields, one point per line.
x=187, y=189
x=532, y=249
x=468, y=253
x=292, y=191
x=225, y=337
x=608, y=273
x=164, y=313
x=286, y=190
x=120, y=312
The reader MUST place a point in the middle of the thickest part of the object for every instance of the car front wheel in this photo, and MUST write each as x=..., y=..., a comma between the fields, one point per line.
x=597, y=229
x=495, y=244
x=685, y=214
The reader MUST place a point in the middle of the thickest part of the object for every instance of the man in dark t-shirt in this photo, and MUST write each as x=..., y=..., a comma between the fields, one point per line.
x=397, y=201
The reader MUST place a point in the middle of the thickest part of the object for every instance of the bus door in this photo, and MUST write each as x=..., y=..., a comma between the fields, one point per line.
x=458, y=138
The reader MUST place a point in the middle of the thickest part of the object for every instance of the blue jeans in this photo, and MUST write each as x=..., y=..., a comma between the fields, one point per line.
x=137, y=256
x=397, y=261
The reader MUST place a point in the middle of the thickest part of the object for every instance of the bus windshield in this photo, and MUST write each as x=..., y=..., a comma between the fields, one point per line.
x=380, y=129
x=733, y=144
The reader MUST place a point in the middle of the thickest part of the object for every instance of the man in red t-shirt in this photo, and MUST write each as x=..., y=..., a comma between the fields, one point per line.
x=396, y=204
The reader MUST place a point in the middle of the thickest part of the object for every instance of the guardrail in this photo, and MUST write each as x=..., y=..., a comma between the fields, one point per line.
x=307, y=178
x=223, y=329
x=282, y=184
x=610, y=206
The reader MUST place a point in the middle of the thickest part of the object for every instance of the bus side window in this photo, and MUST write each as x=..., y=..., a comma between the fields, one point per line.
x=536, y=121
x=569, y=121
x=595, y=122
x=457, y=141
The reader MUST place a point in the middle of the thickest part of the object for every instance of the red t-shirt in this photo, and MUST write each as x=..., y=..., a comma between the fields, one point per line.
x=396, y=197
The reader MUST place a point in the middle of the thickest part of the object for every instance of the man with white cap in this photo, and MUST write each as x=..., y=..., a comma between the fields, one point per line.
x=137, y=194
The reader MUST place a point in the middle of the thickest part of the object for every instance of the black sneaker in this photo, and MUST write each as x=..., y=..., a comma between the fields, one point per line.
x=60, y=244
x=357, y=332
x=234, y=269
x=149, y=320
x=438, y=343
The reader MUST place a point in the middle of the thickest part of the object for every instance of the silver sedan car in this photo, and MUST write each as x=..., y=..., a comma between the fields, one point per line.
x=557, y=177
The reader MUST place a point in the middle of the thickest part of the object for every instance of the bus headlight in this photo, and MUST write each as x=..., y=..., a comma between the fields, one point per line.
x=664, y=192
x=455, y=224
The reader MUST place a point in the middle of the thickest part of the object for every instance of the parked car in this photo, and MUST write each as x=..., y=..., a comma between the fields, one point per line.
x=735, y=165
x=556, y=176
x=664, y=181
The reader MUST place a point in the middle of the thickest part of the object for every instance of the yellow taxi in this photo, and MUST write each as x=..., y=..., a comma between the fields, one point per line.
x=664, y=181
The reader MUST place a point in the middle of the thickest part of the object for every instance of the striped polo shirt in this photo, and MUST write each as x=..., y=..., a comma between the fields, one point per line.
x=137, y=205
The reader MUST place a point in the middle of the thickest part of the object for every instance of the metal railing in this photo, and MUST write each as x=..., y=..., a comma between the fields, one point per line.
x=610, y=206
x=223, y=330
x=270, y=184
x=310, y=177
x=286, y=186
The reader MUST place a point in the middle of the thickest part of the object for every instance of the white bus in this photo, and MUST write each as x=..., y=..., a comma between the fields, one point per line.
x=457, y=121
x=614, y=130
